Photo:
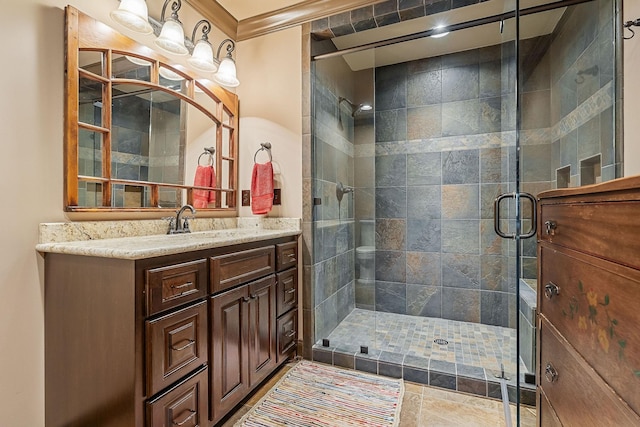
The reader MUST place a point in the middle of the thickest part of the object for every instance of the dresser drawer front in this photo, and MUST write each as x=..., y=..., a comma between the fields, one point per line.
x=287, y=335
x=174, y=285
x=593, y=311
x=591, y=227
x=287, y=255
x=176, y=345
x=546, y=415
x=241, y=267
x=579, y=396
x=185, y=405
x=287, y=291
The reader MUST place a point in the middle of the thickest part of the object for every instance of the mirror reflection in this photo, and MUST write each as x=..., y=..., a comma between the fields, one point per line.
x=141, y=129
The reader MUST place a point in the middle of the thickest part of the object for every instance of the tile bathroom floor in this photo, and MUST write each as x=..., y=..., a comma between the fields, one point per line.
x=471, y=344
x=424, y=406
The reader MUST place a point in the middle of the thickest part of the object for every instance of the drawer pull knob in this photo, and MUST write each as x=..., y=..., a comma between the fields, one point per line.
x=550, y=373
x=551, y=289
x=184, y=285
x=192, y=414
x=291, y=291
x=550, y=226
x=187, y=345
x=290, y=334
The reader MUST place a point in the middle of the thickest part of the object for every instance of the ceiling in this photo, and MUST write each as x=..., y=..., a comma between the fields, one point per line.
x=243, y=9
x=470, y=38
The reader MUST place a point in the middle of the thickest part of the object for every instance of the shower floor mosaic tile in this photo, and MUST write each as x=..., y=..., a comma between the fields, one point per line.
x=470, y=344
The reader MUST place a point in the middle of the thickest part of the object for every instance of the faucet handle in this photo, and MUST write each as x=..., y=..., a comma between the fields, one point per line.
x=172, y=223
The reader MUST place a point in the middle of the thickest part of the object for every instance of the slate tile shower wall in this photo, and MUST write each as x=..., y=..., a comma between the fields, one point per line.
x=568, y=107
x=333, y=228
x=445, y=138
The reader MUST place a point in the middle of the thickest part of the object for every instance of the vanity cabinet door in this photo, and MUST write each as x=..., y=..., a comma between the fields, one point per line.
x=262, y=324
x=229, y=338
x=176, y=345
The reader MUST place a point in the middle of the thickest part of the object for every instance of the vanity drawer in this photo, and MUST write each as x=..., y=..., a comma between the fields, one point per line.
x=579, y=396
x=185, y=405
x=591, y=227
x=286, y=291
x=241, y=267
x=176, y=345
x=592, y=310
x=287, y=334
x=287, y=255
x=174, y=285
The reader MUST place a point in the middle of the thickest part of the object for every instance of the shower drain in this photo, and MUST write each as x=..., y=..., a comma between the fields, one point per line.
x=441, y=341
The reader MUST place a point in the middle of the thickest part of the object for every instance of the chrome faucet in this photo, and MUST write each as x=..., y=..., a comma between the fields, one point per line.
x=181, y=225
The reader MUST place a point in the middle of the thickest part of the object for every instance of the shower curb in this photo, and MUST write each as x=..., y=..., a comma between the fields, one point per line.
x=426, y=371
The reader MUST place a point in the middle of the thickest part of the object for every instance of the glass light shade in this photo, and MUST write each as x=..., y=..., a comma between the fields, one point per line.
x=170, y=75
x=138, y=61
x=171, y=38
x=134, y=15
x=202, y=57
x=226, y=74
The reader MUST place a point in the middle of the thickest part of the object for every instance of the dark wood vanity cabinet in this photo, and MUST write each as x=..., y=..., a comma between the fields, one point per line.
x=172, y=340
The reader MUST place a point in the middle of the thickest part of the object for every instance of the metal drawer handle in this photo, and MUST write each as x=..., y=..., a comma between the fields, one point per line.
x=185, y=285
x=551, y=289
x=550, y=373
x=189, y=344
x=291, y=334
x=191, y=415
x=550, y=226
x=290, y=291
x=291, y=255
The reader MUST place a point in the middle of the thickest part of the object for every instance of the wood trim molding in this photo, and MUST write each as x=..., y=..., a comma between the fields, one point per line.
x=217, y=15
x=306, y=11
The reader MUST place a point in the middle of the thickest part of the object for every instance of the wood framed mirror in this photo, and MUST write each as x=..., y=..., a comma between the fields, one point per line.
x=136, y=128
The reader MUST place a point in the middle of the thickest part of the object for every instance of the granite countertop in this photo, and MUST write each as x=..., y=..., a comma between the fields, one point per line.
x=129, y=239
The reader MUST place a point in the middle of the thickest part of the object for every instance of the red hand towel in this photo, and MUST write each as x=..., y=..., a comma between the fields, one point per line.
x=262, y=188
x=205, y=177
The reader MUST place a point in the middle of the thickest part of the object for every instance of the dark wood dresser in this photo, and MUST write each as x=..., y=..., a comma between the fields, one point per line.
x=589, y=305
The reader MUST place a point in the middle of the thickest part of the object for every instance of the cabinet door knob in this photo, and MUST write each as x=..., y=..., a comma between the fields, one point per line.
x=550, y=373
x=246, y=299
x=551, y=289
x=550, y=226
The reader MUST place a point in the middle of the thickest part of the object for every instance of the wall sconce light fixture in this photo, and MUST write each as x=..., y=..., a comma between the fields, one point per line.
x=133, y=14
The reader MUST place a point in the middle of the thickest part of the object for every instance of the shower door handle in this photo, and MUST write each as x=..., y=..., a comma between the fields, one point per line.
x=496, y=215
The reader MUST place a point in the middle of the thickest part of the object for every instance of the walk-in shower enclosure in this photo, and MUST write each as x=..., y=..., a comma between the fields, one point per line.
x=405, y=274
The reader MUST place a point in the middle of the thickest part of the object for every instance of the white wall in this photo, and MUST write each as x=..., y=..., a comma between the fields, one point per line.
x=631, y=95
x=270, y=74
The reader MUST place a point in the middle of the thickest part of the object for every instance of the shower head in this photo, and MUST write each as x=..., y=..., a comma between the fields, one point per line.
x=355, y=108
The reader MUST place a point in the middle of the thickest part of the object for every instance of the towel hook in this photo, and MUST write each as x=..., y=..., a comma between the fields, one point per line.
x=210, y=151
x=628, y=26
x=264, y=146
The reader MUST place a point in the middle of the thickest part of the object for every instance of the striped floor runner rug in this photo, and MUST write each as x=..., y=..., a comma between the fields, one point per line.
x=312, y=394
